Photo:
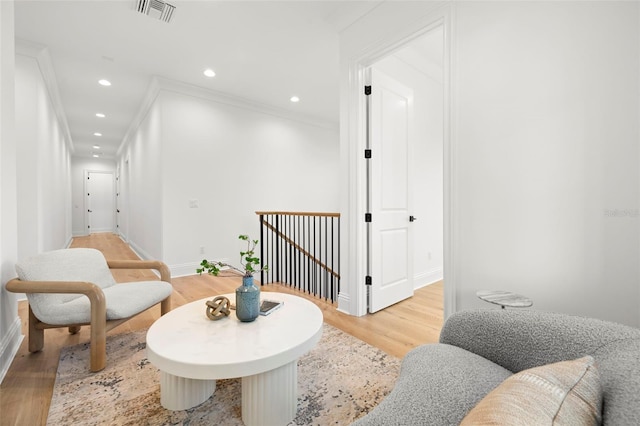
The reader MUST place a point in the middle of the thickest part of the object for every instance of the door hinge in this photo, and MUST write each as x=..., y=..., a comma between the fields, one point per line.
x=367, y=90
x=367, y=153
x=367, y=217
x=367, y=280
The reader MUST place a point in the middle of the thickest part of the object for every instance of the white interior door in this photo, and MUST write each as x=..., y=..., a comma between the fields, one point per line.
x=391, y=242
x=100, y=201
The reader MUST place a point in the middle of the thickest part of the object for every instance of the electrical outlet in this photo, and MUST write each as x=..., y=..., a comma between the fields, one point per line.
x=201, y=249
x=194, y=204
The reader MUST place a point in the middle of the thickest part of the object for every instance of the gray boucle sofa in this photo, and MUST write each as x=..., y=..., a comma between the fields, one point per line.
x=440, y=383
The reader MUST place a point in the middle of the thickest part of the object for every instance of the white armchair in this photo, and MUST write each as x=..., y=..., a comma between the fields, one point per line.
x=56, y=282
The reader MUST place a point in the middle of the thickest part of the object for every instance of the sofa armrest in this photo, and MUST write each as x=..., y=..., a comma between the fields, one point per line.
x=520, y=339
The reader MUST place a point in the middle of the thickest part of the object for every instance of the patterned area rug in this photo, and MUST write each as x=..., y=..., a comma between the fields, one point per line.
x=339, y=381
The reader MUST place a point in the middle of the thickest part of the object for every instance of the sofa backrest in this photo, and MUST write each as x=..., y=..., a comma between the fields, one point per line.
x=523, y=338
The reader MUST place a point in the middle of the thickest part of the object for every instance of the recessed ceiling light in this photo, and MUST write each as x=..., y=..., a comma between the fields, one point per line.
x=104, y=82
x=101, y=115
x=294, y=99
x=209, y=72
x=95, y=156
x=97, y=134
x=96, y=147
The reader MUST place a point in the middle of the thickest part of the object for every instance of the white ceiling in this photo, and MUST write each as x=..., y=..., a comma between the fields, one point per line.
x=263, y=51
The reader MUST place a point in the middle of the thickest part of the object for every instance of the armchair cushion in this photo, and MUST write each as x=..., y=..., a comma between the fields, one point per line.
x=123, y=301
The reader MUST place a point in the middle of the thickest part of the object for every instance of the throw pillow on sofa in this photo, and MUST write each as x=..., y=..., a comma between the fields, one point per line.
x=562, y=393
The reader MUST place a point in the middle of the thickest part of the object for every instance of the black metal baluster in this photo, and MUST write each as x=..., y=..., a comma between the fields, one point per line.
x=333, y=251
x=261, y=250
x=326, y=260
x=339, y=248
x=308, y=258
x=272, y=258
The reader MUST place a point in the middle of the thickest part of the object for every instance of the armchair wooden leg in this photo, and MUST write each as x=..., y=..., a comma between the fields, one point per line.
x=165, y=305
x=98, y=351
x=98, y=347
x=36, y=335
x=74, y=329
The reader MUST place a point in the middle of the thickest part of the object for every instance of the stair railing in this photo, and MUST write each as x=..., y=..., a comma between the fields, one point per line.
x=302, y=251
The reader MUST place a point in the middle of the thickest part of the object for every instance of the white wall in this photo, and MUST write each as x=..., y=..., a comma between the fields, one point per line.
x=27, y=77
x=141, y=187
x=43, y=157
x=78, y=167
x=231, y=159
x=427, y=138
x=10, y=324
x=548, y=154
x=542, y=168
x=35, y=164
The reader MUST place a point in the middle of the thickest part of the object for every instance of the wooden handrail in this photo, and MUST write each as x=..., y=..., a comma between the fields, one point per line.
x=299, y=214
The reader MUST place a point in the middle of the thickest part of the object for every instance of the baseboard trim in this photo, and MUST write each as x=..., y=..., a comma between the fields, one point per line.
x=186, y=269
x=426, y=278
x=183, y=269
x=139, y=251
x=9, y=346
x=344, y=303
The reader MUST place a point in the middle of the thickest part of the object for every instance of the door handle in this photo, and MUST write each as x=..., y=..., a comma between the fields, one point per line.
x=412, y=218
x=89, y=211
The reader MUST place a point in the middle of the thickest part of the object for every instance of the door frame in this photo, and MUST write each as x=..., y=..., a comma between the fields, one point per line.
x=353, y=296
x=86, y=199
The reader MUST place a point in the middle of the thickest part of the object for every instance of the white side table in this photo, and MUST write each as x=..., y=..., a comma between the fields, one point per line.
x=504, y=298
x=192, y=351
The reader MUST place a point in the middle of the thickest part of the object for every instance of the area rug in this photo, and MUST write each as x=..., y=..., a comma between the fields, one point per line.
x=339, y=381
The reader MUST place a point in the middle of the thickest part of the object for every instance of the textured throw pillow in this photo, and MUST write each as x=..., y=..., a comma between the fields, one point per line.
x=563, y=393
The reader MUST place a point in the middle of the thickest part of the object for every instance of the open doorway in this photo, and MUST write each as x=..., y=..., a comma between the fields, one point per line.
x=412, y=79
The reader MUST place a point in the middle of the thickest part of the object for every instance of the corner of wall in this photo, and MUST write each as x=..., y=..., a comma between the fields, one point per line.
x=9, y=346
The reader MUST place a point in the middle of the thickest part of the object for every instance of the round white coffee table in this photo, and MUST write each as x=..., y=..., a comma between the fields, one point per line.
x=191, y=351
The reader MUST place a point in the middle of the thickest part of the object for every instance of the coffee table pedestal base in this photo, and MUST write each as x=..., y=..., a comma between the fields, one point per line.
x=270, y=398
x=180, y=393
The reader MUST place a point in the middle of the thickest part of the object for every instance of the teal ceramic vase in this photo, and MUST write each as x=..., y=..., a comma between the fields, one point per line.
x=247, y=300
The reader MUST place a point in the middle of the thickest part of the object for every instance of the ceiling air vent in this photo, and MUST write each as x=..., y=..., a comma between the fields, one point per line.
x=156, y=9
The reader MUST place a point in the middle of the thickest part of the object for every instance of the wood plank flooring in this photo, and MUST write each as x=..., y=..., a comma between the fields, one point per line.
x=25, y=393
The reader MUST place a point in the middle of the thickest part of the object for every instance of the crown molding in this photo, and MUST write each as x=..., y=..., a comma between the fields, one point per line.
x=158, y=84
x=239, y=102
x=152, y=93
x=43, y=58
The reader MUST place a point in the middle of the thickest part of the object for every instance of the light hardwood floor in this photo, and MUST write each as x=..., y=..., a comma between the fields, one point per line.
x=26, y=390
